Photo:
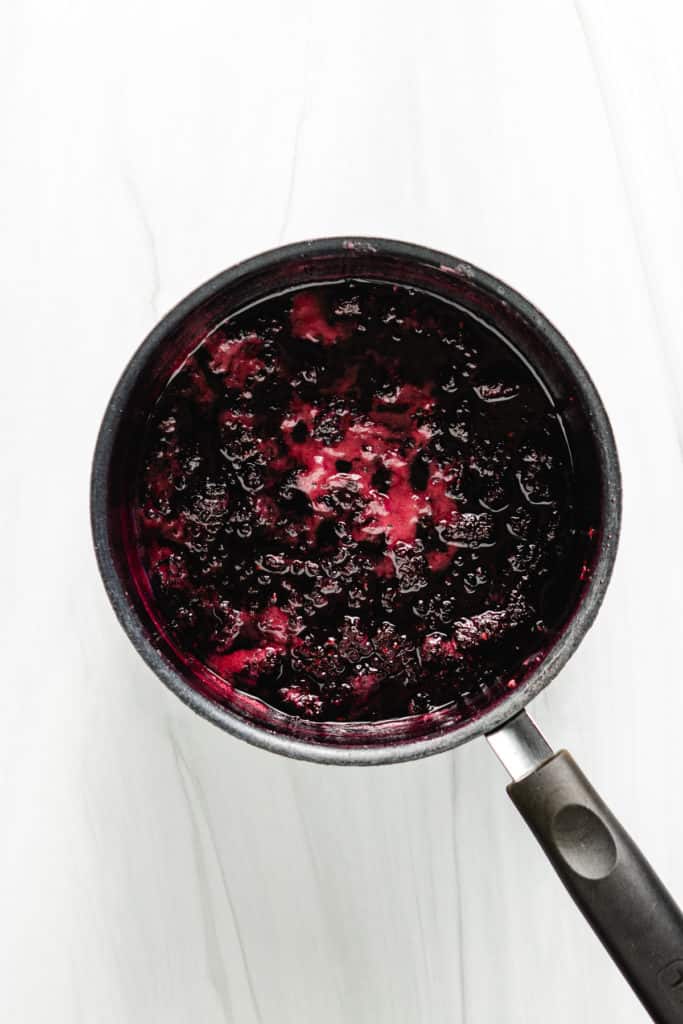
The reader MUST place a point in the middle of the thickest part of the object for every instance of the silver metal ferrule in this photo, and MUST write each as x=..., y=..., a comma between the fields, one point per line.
x=520, y=746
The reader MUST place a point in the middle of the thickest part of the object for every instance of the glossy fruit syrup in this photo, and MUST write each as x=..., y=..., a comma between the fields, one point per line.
x=355, y=504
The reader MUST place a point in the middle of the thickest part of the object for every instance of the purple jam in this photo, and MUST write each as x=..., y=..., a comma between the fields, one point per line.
x=355, y=504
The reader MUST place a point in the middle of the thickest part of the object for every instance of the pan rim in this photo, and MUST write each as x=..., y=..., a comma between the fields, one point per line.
x=404, y=750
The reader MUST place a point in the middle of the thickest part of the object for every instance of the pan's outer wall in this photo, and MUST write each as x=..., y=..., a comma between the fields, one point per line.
x=610, y=501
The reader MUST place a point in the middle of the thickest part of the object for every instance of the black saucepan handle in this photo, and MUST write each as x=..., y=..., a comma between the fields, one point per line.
x=610, y=880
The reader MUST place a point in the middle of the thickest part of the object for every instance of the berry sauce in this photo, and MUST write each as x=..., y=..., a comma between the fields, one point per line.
x=355, y=504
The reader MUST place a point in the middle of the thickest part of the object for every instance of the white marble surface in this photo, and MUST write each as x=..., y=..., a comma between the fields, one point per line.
x=154, y=871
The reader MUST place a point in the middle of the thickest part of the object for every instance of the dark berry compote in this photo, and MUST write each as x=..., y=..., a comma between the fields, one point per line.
x=355, y=504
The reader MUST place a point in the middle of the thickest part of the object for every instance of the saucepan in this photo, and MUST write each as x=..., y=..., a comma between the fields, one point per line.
x=600, y=865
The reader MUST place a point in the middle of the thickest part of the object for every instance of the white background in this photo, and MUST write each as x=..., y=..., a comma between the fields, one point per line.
x=153, y=870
